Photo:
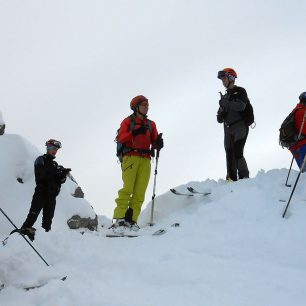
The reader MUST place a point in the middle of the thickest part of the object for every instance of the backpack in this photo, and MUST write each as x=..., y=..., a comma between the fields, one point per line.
x=287, y=131
x=248, y=114
x=121, y=147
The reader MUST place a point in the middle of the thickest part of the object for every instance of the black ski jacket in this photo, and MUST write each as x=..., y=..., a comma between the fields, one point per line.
x=231, y=105
x=49, y=175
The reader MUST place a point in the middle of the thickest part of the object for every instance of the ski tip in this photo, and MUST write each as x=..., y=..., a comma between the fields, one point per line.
x=174, y=191
x=190, y=189
x=120, y=236
x=159, y=232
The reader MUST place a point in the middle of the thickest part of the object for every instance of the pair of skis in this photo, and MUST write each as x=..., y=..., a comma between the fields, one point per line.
x=37, y=285
x=159, y=232
x=191, y=194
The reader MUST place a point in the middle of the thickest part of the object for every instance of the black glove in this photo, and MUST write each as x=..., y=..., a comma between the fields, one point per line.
x=220, y=115
x=159, y=142
x=141, y=130
x=63, y=171
x=223, y=102
x=67, y=170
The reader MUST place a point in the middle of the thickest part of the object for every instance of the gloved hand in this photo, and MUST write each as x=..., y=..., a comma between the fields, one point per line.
x=67, y=170
x=159, y=142
x=62, y=172
x=220, y=115
x=223, y=102
x=139, y=131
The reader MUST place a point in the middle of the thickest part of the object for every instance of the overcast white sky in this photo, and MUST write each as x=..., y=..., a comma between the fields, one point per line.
x=68, y=70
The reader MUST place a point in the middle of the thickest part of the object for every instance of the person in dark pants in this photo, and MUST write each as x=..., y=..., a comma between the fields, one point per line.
x=232, y=104
x=49, y=177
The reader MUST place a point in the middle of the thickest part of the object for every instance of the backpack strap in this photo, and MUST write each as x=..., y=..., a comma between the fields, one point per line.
x=132, y=125
x=133, y=122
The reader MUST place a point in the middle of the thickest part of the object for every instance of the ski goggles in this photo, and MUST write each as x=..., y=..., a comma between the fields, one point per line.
x=52, y=148
x=221, y=74
x=53, y=144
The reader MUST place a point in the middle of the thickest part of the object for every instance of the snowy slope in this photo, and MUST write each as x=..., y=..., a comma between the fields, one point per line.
x=17, y=157
x=232, y=248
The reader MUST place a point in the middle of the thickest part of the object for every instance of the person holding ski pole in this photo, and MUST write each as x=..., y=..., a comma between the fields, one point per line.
x=49, y=177
x=298, y=149
x=236, y=126
x=139, y=137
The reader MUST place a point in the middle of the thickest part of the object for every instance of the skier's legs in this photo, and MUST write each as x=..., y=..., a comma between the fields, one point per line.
x=36, y=206
x=141, y=184
x=230, y=157
x=129, y=172
x=299, y=156
x=242, y=166
x=48, y=213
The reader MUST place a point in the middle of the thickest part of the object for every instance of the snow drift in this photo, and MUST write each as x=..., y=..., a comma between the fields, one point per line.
x=232, y=247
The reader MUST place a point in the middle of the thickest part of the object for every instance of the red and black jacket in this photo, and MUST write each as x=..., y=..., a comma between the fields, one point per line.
x=140, y=143
x=298, y=119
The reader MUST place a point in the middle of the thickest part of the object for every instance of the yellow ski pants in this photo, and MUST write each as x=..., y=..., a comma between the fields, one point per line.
x=136, y=172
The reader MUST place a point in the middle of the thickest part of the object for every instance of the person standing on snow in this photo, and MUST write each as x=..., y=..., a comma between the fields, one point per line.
x=235, y=129
x=299, y=148
x=139, y=137
x=49, y=177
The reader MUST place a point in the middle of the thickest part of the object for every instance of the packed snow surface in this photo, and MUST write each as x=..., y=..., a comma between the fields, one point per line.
x=232, y=248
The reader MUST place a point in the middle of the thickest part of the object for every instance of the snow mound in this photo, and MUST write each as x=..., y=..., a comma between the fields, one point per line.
x=232, y=248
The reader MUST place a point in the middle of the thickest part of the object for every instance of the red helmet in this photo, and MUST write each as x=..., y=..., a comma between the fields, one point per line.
x=229, y=72
x=136, y=101
x=53, y=143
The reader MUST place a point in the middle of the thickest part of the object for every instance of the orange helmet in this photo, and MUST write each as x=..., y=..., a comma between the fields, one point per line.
x=136, y=101
x=229, y=72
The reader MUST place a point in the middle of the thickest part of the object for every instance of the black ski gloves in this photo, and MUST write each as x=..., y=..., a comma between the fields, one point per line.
x=159, y=142
x=139, y=131
x=220, y=115
x=224, y=103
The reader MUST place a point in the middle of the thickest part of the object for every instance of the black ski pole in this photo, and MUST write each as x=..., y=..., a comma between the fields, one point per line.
x=23, y=236
x=296, y=149
x=154, y=186
x=296, y=181
x=286, y=184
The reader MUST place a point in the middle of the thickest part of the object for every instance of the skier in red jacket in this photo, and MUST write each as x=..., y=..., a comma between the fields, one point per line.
x=139, y=136
x=299, y=149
